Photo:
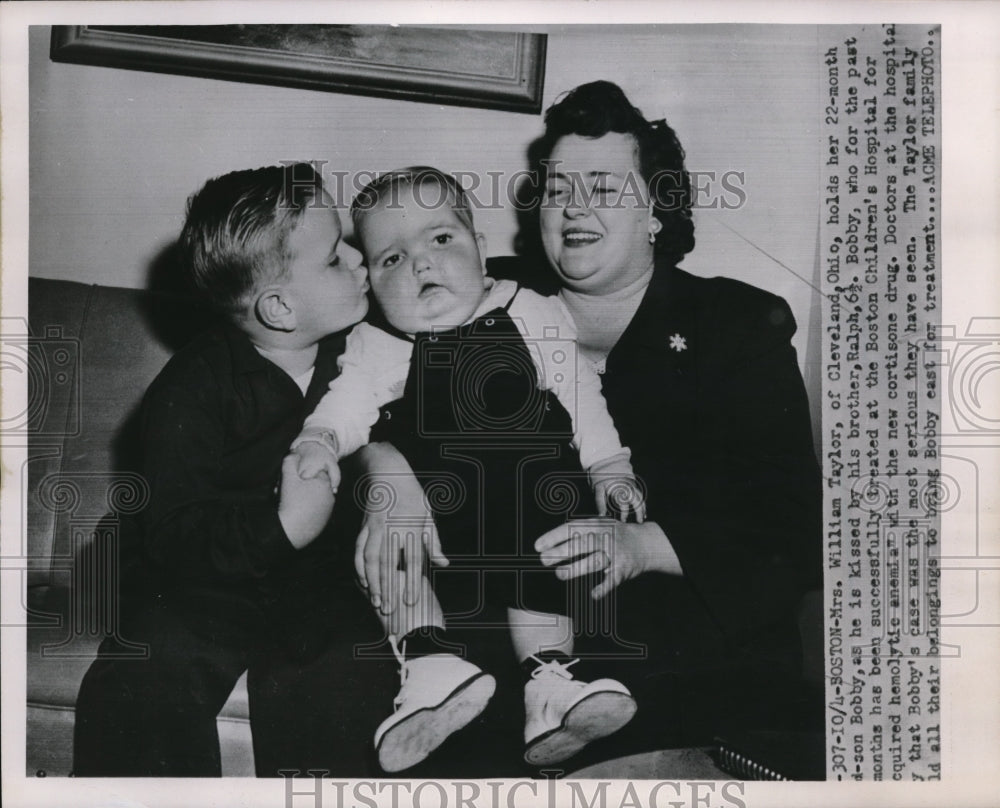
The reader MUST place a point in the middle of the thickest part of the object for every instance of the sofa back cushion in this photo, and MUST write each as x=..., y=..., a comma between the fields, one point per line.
x=94, y=351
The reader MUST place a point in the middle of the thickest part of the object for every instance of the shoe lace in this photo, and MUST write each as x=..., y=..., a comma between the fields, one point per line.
x=552, y=666
x=404, y=670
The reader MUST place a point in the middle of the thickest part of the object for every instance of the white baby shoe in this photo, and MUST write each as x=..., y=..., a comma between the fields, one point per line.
x=440, y=694
x=562, y=715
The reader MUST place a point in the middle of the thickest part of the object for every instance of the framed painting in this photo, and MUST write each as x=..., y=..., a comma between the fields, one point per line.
x=482, y=68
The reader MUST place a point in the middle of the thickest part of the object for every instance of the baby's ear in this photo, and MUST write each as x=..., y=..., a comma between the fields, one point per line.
x=273, y=310
x=481, y=243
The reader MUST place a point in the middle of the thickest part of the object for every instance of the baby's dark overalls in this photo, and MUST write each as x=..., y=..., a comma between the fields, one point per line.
x=493, y=452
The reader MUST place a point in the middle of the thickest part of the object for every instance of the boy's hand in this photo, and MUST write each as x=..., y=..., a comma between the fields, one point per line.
x=397, y=521
x=314, y=458
x=615, y=485
x=305, y=505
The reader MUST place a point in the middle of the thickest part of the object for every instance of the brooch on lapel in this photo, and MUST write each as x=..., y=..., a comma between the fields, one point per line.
x=678, y=343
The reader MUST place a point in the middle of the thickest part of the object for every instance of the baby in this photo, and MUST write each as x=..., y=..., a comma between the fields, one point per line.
x=475, y=380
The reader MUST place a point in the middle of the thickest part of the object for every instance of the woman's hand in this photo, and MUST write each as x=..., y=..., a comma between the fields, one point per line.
x=396, y=520
x=621, y=551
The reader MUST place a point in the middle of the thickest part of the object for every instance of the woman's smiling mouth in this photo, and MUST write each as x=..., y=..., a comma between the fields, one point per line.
x=580, y=238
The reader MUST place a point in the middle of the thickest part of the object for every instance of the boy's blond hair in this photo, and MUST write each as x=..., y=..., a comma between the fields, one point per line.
x=235, y=236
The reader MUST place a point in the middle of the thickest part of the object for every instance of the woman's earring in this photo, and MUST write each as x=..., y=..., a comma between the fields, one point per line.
x=654, y=228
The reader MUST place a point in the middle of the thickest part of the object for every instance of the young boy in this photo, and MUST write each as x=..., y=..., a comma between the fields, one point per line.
x=487, y=396
x=228, y=535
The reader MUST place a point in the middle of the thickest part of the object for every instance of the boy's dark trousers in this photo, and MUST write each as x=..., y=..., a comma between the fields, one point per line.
x=156, y=716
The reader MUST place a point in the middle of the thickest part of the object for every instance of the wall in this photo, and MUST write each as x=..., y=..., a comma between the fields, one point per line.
x=115, y=153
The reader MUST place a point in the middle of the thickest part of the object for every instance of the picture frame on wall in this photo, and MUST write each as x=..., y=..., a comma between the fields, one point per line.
x=480, y=68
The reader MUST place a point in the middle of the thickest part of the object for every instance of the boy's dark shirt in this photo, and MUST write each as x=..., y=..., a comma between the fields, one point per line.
x=216, y=424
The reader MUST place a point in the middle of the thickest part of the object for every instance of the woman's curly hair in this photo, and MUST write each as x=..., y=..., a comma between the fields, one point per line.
x=593, y=110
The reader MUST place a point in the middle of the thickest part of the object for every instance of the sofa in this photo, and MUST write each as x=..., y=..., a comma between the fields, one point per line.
x=93, y=351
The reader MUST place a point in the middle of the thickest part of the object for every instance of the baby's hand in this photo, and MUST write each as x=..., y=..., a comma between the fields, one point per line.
x=616, y=489
x=314, y=458
x=623, y=495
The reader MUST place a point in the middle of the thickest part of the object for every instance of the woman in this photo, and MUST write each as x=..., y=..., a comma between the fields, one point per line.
x=703, y=384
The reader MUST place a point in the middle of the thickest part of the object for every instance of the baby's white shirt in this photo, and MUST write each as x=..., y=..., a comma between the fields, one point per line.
x=375, y=365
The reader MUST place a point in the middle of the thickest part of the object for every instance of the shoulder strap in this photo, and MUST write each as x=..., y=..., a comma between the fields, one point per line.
x=506, y=308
